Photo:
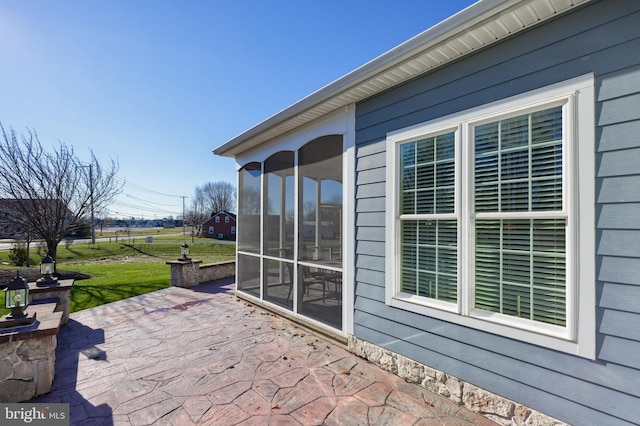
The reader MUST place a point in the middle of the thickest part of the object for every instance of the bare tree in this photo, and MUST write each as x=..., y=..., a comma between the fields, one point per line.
x=250, y=202
x=214, y=197
x=195, y=217
x=210, y=198
x=51, y=193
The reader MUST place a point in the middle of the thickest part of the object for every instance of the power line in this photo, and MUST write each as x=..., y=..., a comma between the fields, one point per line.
x=142, y=208
x=129, y=214
x=143, y=189
x=145, y=206
x=151, y=202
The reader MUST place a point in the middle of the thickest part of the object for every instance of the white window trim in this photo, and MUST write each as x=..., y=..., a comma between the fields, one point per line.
x=579, y=336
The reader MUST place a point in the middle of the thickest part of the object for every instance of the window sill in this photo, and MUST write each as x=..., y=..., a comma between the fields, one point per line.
x=551, y=337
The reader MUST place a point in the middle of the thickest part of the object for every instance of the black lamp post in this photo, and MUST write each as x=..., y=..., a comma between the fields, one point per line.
x=47, y=268
x=184, y=251
x=17, y=297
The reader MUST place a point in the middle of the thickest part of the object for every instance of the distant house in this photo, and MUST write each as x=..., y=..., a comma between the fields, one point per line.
x=12, y=222
x=9, y=226
x=220, y=225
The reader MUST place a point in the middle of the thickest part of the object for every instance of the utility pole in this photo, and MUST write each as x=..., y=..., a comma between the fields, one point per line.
x=184, y=231
x=93, y=230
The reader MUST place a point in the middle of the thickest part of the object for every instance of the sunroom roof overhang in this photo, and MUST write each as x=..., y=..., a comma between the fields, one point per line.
x=476, y=27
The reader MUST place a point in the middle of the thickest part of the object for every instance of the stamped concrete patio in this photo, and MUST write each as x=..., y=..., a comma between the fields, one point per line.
x=203, y=356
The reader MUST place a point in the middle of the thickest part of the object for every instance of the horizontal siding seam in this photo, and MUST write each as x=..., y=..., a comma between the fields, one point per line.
x=617, y=175
x=603, y=76
x=611, y=123
x=615, y=202
x=369, y=240
x=609, y=323
x=616, y=83
x=362, y=282
x=617, y=256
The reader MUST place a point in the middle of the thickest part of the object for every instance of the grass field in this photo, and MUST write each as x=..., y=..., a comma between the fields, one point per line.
x=125, y=269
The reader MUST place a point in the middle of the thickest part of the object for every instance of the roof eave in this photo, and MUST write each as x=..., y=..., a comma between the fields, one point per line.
x=337, y=93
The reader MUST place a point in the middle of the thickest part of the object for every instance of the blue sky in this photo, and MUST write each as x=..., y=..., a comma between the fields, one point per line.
x=159, y=84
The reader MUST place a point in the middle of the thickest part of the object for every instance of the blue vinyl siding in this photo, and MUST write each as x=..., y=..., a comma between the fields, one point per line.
x=601, y=38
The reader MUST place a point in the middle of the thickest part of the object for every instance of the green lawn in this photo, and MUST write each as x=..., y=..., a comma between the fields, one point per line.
x=110, y=282
x=121, y=270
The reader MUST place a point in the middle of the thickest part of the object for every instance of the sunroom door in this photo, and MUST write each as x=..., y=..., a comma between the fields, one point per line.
x=319, y=266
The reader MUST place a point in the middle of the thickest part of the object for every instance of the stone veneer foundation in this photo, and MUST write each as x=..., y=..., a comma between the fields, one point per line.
x=500, y=410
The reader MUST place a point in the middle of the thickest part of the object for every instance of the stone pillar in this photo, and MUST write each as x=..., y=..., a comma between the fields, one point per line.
x=59, y=290
x=27, y=356
x=184, y=273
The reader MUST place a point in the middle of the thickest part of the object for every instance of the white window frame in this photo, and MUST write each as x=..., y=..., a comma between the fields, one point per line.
x=233, y=229
x=578, y=100
x=217, y=219
x=211, y=229
x=226, y=219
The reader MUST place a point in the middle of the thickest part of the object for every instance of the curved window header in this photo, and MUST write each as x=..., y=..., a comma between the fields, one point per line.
x=321, y=149
x=280, y=161
x=315, y=150
x=251, y=167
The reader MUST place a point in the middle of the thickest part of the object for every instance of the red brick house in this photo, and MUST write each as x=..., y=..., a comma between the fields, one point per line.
x=220, y=225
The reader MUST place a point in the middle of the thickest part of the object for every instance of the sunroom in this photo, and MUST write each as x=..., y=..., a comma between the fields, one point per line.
x=292, y=223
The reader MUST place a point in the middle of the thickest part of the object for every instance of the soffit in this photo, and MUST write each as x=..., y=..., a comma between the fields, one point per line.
x=476, y=27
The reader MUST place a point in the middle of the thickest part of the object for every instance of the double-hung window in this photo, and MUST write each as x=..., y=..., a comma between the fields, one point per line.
x=428, y=220
x=491, y=217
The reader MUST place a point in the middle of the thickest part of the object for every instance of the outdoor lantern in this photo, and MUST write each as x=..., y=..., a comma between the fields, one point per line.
x=47, y=268
x=17, y=297
x=184, y=251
